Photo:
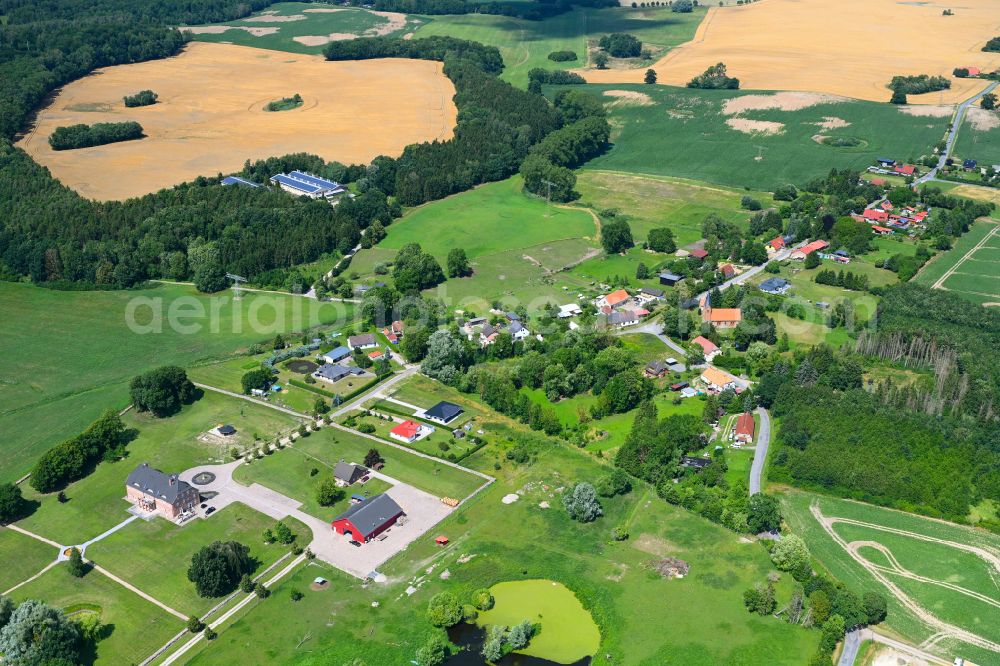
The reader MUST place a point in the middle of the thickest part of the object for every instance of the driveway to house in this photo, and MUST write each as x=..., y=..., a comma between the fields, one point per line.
x=760, y=452
x=753, y=270
x=423, y=511
x=654, y=328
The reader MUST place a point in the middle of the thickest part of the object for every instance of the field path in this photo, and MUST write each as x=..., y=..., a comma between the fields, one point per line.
x=965, y=257
x=900, y=570
x=827, y=522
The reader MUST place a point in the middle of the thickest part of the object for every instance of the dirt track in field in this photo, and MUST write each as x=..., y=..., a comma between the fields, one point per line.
x=849, y=47
x=210, y=115
x=943, y=629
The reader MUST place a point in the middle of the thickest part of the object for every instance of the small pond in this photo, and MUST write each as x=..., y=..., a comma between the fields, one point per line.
x=568, y=633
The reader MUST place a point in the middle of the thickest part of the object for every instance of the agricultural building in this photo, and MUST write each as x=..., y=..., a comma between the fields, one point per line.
x=369, y=518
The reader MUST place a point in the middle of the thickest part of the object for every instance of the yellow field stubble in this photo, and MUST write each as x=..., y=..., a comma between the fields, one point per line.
x=210, y=115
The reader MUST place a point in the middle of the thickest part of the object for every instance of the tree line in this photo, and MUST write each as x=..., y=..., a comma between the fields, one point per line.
x=83, y=136
x=497, y=124
x=531, y=11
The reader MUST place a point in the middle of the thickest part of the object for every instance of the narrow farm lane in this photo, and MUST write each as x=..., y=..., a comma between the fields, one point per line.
x=852, y=642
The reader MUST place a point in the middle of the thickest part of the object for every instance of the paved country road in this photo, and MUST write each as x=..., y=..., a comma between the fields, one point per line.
x=956, y=124
x=852, y=642
x=760, y=453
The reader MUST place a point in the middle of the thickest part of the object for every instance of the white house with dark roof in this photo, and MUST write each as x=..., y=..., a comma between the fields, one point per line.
x=363, y=341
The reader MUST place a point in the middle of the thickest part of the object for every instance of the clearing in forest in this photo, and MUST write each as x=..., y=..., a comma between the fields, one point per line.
x=851, y=48
x=210, y=115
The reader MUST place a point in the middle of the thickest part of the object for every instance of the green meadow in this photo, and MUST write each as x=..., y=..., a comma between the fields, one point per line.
x=304, y=20
x=49, y=396
x=526, y=45
x=516, y=245
x=700, y=619
x=979, y=140
x=937, y=561
x=137, y=627
x=684, y=132
x=23, y=557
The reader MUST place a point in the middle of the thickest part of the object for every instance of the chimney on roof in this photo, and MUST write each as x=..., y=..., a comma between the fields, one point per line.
x=173, y=479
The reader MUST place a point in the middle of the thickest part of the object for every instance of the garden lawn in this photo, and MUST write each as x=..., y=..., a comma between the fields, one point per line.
x=22, y=557
x=48, y=400
x=137, y=626
x=155, y=555
x=289, y=472
x=526, y=45
x=683, y=132
x=422, y=391
x=331, y=444
x=431, y=444
x=492, y=542
x=96, y=502
x=308, y=21
x=831, y=557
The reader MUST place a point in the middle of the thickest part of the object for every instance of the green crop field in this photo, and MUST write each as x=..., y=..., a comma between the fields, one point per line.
x=154, y=556
x=971, y=268
x=979, y=141
x=526, y=45
x=171, y=445
x=928, y=560
x=299, y=27
x=286, y=21
x=700, y=619
x=684, y=132
x=137, y=627
x=48, y=397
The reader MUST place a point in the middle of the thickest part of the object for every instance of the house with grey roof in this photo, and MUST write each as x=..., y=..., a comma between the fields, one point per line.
x=347, y=473
x=368, y=518
x=336, y=354
x=152, y=491
x=334, y=373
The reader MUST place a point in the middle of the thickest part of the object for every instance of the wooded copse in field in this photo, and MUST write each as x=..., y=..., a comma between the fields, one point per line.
x=919, y=84
x=98, y=134
x=141, y=98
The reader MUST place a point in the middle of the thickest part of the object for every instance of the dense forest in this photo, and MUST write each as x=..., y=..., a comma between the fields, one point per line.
x=965, y=340
x=837, y=436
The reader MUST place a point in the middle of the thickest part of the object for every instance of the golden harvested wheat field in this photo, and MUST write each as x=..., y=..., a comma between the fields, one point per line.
x=847, y=47
x=210, y=115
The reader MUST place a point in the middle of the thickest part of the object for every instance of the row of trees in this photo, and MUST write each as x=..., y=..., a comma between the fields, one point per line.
x=847, y=280
x=497, y=125
x=84, y=136
x=74, y=458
